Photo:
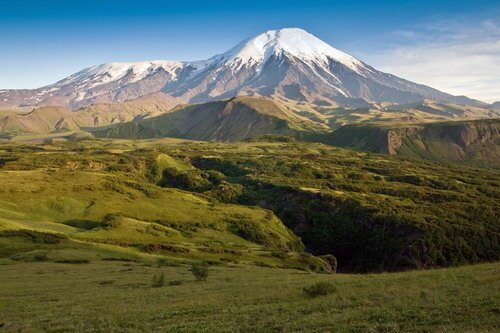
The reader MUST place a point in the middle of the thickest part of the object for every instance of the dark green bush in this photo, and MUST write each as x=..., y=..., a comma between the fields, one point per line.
x=111, y=221
x=319, y=289
x=156, y=247
x=73, y=261
x=225, y=192
x=192, y=180
x=215, y=177
x=175, y=283
x=200, y=271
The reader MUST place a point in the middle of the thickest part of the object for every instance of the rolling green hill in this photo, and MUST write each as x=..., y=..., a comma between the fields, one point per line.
x=101, y=203
x=180, y=199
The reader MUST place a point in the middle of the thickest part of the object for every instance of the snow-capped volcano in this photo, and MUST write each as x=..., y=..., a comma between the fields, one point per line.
x=292, y=42
x=286, y=64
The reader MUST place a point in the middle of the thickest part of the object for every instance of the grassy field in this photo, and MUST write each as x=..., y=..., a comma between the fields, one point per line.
x=117, y=296
x=87, y=228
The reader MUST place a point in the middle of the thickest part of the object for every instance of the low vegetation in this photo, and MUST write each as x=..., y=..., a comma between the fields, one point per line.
x=200, y=271
x=158, y=281
x=319, y=289
x=117, y=297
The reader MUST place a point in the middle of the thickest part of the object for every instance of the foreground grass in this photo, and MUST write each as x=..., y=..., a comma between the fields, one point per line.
x=117, y=296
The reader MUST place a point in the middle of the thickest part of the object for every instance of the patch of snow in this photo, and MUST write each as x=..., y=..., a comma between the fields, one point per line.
x=134, y=71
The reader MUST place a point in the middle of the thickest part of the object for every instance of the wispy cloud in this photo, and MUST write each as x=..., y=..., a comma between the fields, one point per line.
x=457, y=56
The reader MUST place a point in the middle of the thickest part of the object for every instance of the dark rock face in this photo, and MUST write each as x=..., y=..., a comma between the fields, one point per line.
x=459, y=136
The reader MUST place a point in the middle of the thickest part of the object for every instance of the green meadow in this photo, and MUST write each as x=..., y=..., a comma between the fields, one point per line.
x=106, y=235
x=111, y=296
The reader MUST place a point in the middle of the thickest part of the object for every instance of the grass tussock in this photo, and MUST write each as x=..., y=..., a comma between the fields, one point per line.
x=322, y=288
x=158, y=281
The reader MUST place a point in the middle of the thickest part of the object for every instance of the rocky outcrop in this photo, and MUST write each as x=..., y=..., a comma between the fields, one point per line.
x=395, y=139
x=475, y=140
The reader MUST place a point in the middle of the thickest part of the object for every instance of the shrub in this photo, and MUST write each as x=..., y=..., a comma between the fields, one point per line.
x=319, y=289
x=175, y=282
x=30, y=256
x=225, y=192
x=192, y=180
x=118, y=259
x=73, y=261
x=41, y=257
x=215, y=177
x=262, y=264
x=200, y=271
x=111, y=221
x=155, y=247
x=159, y=281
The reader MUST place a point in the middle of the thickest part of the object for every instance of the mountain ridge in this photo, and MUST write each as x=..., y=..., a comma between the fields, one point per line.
x=288, y=64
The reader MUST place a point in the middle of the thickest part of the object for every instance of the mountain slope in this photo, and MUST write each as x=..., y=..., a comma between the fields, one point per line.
x=476, y=141
x=228, y=120
x=288, y=64
x=51, y=119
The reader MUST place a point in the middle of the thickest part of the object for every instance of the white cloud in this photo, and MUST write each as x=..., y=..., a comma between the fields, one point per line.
x=456, y=57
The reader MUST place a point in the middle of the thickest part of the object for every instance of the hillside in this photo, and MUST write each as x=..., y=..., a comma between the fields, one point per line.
x=475, y=141
x=228, y=120
x=58, y=119
x=69, y=201
x=196, y=200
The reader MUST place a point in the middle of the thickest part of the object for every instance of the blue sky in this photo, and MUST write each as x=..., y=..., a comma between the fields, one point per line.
x=440, y=43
